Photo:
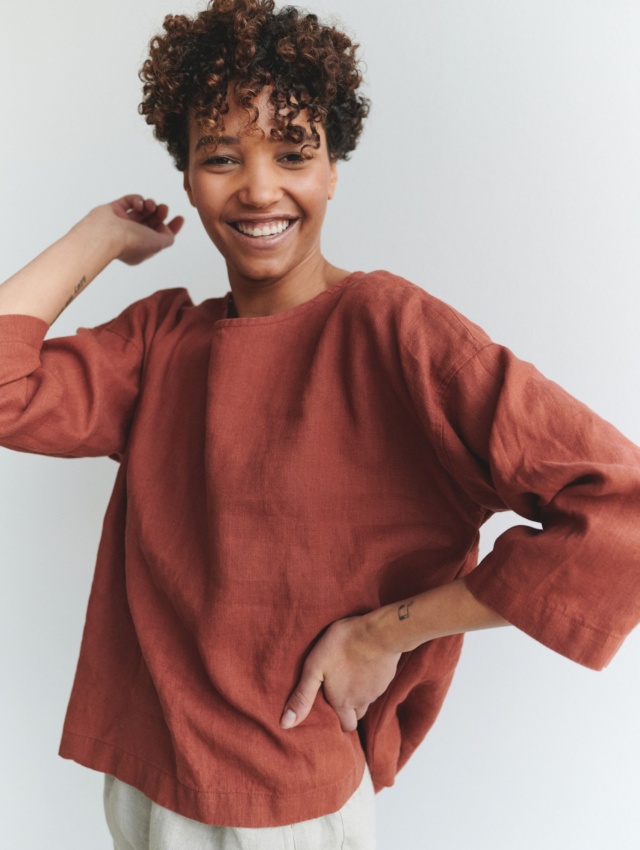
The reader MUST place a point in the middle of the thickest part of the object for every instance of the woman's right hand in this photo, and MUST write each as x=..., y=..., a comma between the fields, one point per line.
x=142, y=226
x=131, y=229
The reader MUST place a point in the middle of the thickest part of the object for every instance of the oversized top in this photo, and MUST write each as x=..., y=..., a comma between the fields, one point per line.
x=278, y=473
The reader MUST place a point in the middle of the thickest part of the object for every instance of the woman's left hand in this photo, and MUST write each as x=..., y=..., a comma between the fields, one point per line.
x=350, y=666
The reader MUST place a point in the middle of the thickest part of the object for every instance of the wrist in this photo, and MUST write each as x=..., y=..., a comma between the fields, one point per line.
x=103, y=232
x=448, y=609
x=388, y=628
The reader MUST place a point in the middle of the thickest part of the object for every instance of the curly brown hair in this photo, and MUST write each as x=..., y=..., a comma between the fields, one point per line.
x=246, y=45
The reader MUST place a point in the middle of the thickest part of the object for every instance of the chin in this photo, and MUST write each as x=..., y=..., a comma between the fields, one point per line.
x=258, y=275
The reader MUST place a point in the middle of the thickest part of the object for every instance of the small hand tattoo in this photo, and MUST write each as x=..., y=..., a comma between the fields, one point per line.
x=403, y=611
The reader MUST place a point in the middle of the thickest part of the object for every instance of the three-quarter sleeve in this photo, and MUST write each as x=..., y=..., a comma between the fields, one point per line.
x=508, y=432
x=74, y=396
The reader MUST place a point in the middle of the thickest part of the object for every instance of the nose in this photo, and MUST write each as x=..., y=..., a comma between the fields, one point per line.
x=261, y=186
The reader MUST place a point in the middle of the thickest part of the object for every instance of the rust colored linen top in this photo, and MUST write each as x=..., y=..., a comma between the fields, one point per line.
x=281, y=472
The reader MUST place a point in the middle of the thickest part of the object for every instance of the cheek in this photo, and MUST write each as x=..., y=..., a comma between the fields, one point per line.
x=203, y=200
x=313, y=192
x=210, y=220
x=208, y=193
x=211, y=225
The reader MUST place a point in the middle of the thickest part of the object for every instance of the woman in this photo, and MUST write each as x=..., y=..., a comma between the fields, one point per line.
x=321, y=447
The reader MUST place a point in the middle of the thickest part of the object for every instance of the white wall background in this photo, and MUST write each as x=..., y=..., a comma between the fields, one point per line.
x=500, y=170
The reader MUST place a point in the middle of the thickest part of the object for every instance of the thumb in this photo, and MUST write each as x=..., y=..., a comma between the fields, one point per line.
x=301, y=700
x=175, y=225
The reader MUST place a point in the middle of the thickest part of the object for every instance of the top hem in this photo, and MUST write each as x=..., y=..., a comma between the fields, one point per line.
x=216, y=808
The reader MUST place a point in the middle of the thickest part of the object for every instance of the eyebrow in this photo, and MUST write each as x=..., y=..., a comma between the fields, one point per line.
x=204, y=141
x=224, y=140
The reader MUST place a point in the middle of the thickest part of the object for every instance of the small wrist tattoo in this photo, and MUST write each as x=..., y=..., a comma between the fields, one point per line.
x=403, y=611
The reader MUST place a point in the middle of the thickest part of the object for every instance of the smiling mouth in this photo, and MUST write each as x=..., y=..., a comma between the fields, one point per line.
x=260, y=231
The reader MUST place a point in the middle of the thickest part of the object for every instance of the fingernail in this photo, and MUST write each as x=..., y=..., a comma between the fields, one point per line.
x=288, y=719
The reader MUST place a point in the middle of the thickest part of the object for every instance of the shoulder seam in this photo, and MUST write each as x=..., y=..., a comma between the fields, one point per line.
x=446, y=384
x=123, y=337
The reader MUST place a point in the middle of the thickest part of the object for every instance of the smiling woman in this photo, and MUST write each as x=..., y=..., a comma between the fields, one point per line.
x=256, y=108
x=290, y=554
x=262, y=201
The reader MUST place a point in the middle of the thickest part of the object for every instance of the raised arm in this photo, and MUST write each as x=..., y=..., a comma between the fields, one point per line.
x=131, y=229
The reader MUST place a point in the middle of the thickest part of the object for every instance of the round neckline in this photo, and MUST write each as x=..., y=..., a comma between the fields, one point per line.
x=292, y=312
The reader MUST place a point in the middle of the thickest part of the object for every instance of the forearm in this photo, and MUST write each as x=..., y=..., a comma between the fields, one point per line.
x=50, y=282
x=446, y=610
x=131, y=229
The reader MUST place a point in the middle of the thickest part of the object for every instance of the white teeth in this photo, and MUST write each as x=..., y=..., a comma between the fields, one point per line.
x=271, y=229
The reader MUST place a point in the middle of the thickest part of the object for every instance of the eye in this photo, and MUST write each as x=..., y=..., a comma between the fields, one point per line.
x=295, y=158
x=218, y=161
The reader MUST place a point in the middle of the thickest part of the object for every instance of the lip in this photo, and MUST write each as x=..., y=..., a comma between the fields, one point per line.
x=263, y=243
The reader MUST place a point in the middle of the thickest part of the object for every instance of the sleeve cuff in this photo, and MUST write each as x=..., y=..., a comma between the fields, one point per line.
x=21, y=339
x=16, y=328
x=554, y=628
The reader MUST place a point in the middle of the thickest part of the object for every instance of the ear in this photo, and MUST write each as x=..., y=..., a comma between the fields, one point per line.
x=187, y=186
x=333, y=179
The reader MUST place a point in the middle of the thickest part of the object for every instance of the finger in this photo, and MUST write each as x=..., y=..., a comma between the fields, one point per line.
x=137, y=213
x=130, y=204
x=162, y=211
x=143, y=211
x=301, y=700
x=348, y=719
x=125, y=206
x=155, y=220
x=175, y=225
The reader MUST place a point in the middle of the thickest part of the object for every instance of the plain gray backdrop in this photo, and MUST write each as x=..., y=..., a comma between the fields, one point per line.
x=499, y=171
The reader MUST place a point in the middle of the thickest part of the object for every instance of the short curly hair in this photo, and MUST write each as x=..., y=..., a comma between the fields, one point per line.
x=243, y=46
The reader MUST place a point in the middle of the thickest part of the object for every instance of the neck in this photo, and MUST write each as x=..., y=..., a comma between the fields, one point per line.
x=270, y=297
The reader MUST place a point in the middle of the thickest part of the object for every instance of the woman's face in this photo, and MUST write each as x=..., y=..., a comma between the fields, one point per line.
x=261, y=201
